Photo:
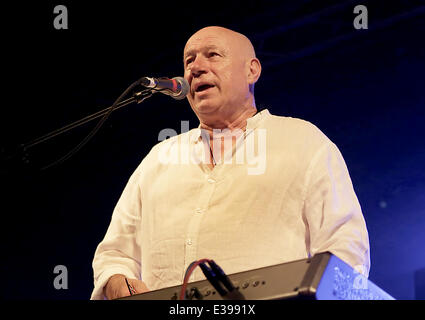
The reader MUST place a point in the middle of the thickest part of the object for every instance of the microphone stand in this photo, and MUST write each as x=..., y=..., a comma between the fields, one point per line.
x=137, y=97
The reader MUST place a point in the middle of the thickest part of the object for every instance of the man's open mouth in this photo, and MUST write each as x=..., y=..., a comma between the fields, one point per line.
x=203, y=87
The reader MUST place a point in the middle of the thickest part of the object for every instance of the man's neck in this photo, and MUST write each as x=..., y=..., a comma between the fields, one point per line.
x=239, y=121
x=216, y=143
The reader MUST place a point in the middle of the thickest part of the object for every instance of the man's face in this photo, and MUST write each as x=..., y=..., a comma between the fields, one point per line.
x=216, y=68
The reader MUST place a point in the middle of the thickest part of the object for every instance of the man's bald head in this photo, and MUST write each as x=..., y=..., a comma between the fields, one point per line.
x=221, y=67
x=237, y=40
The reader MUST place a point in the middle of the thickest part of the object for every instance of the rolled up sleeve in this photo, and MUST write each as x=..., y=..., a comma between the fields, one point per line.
x=119, y=252
x=332, y=211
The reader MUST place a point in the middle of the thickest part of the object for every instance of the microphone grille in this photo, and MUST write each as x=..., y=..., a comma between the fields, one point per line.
x=184, y=88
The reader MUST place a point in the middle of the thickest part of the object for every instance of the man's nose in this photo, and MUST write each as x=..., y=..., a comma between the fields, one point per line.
x=198, y=67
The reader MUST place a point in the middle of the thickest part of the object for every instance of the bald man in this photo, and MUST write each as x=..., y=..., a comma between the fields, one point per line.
x=221, y=68
x=248, y=189
x=224, y=60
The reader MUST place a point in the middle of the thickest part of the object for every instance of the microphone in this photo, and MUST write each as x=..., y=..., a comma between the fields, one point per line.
x=177, y=87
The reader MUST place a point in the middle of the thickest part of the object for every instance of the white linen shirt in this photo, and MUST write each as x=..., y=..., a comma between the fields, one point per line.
x=292, y=198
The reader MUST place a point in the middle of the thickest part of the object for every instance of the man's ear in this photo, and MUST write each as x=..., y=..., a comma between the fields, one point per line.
x=254, y=70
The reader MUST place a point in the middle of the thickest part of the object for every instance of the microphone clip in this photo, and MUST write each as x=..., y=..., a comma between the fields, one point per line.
x=142, y=95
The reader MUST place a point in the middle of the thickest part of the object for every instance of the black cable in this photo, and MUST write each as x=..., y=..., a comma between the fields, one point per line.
x=216, y=277
x=233, y=293
x=221, y=276
x=212, y=278
x=73, y=125
x=21, y=150
x=84, y=120
x=95, y=129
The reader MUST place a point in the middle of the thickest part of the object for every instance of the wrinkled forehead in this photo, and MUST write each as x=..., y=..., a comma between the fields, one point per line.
x=200, y=42
x=219, y=38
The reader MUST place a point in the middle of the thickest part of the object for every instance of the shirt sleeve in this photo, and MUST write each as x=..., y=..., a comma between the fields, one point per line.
x=119, y=252
x=332, y=211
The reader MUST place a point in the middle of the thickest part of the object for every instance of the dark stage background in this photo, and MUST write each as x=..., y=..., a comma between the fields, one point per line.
x=364, y=89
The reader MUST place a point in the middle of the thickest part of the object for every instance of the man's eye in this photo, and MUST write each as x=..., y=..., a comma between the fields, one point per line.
x=190, y=60
x=212, y=54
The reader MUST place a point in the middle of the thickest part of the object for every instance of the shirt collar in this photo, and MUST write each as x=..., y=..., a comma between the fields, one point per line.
x=251, y=124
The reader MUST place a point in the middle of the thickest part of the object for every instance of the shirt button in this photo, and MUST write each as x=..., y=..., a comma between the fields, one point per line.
x=189, y=242
x=199, y=210
x=210, y=180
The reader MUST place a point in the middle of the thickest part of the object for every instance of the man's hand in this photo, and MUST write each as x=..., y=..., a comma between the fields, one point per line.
x=116, y=287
